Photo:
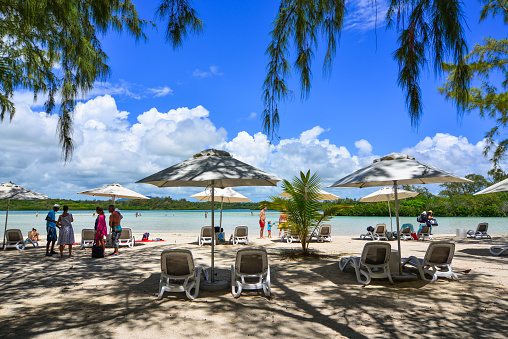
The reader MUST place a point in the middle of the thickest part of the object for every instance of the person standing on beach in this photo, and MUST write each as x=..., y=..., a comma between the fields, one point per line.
x=101, y=230
x=66, y=231
x=283, y=218
x=262, y=218
x=269, y=229
x=51, y=230
x=116, y=229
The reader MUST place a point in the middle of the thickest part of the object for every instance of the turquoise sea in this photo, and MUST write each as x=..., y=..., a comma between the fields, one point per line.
x=192, y=221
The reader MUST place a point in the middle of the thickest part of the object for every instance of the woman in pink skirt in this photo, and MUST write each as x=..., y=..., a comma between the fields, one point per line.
x=102, y=230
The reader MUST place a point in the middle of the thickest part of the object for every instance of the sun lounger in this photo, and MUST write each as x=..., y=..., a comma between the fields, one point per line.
x=373, y=263
x=205, y=237
x=481, y=231
x=406, y=230
x=178, y=273
x=14, y=239
x=290, y=235
x=498, y=250
x=87, y=237
x=436, y=262
x=126, y=238
x=424, y=231
x=379, y=233
x=325, y=233
x=250, y=272
x=241, y=235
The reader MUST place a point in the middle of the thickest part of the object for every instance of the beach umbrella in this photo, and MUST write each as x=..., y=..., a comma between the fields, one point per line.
x=211, y=168
x=114, y=191
x=323, y=195
x=11, y=191
x=397, y=169
x=501, y=186
x=225, y=194
x=388, y=194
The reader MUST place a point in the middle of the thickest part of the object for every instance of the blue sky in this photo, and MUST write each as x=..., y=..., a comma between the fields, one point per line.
x=160, y=106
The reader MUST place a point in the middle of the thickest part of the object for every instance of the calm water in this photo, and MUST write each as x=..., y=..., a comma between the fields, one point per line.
x=192, y=221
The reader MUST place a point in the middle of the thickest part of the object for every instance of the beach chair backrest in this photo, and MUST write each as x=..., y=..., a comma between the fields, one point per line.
x=376, y=253
x=380, y=228
x=482, y=227
x=206, y=231
x=14, y=235
x=241, y=231
x=325, y=230
x=251, y=261
x=425, y=229
x=126, y=233
x=440, y=253
x=406, y=230
x=87, y=234
x=177, y=263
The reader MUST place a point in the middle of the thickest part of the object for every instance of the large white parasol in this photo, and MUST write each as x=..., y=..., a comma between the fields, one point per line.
x=397, y=169
x=225, y=194
x=11, y=191
x=501, y=186
x=114, y=191
x=388, y=194
x=211, y=168
x=323, y=195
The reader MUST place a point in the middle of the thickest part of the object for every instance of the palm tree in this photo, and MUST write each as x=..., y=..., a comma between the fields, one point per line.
x=302, y=209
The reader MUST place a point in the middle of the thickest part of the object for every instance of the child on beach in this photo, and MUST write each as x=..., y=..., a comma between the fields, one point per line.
x=269, y=229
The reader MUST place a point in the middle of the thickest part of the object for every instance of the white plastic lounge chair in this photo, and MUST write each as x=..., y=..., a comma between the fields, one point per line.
x=14, y=239
x=424, y=231
x=481, y=231
x=379, y=233
x=241, y=235
x=205, y=236
x=498, y=250
x=374, y=262
x=325, y=233
x=250, y=272
x=178, y=273
x=405, y=234
x=87, y=237
x=126, y=238
x=291, y=236
x=436, y=262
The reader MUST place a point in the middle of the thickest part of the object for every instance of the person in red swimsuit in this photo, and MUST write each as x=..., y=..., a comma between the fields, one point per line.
x=262, y=218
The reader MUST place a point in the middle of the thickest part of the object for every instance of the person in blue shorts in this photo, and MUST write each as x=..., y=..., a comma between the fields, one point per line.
x=116, y=229
x=51, y=230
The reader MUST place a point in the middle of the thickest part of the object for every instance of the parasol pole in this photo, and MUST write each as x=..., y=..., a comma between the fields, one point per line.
x=6, y=217
x=212, y=279
x=221, y=202
x=398, y=228
x=390, y=211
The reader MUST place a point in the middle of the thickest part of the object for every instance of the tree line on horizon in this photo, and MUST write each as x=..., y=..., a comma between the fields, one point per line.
x=453, y=200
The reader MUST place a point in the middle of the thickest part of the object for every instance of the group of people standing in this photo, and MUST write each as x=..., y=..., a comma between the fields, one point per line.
x=66, y=236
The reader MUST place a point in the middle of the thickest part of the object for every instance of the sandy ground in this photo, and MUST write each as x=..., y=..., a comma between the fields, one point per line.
x=115, y=297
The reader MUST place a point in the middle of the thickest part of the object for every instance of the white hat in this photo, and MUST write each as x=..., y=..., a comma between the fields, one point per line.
x=57, y=206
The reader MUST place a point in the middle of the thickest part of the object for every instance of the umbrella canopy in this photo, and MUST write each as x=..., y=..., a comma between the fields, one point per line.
x=211, y=168
x=323, y=195
x=388, y=194
x=225, y=194
x=11, y=191
x=501, y=186
x=397, y=169
x=114, y=191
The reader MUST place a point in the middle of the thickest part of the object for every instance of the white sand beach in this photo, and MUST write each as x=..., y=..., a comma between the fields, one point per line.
x=115, y=297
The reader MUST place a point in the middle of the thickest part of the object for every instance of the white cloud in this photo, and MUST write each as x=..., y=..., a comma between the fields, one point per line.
x=365, y=15
x=160, y=91
x=364, y=147
x=110, y=149
x=213, y=70
x=252, y=116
